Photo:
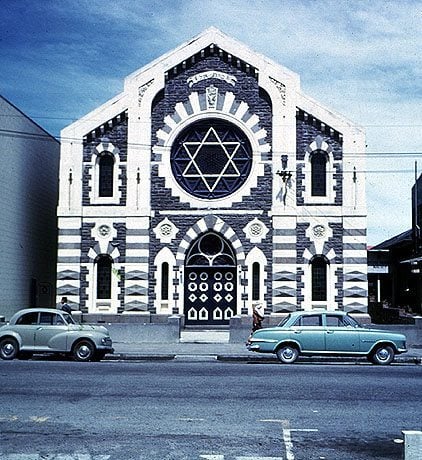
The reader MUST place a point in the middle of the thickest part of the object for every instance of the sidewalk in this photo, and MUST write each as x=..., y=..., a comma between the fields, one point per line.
x=214, y=345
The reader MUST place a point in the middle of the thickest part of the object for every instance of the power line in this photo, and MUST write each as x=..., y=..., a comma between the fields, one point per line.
x=23, y=134
x=73, y=119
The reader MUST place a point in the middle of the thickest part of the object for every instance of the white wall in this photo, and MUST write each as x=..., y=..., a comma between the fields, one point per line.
x=29, y=159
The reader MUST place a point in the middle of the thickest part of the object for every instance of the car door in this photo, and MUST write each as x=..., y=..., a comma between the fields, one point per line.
x=309, y=332
x=50, y=325
x=339, y=336
x=26, y=326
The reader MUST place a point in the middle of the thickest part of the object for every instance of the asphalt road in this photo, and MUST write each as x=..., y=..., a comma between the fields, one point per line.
x=64, y=410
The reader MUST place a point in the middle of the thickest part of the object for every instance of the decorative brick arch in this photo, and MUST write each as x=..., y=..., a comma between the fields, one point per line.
x=206, y=224
x=212, y=104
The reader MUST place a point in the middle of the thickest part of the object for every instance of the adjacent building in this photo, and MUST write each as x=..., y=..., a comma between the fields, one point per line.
x=28, y=203
x=395, y=268
x=210, y=184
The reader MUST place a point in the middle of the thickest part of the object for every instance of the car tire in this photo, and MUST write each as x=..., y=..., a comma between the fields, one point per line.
x=287, y=354
x=9, y=348
x=84, y=350
x=382, y=355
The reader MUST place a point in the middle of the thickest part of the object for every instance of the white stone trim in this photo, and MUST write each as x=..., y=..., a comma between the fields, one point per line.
x=164, y=306
x=104, y=146
x=167, y=137
x=319, y=144
x=256, y=255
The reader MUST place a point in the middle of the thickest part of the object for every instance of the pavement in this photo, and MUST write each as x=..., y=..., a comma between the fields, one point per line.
x=214, y=346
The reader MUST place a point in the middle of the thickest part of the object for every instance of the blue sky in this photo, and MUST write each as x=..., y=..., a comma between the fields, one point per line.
x=60, y=59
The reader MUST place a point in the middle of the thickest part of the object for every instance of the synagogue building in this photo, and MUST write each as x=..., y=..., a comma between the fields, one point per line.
x=212, y=183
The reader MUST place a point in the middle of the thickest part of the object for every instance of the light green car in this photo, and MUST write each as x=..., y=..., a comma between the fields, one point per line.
x=43, y=330
x=326, y=333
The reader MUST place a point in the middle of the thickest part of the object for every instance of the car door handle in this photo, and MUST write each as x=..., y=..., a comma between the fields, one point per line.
x=39, y=328
x=330, y=332
x=298, y=332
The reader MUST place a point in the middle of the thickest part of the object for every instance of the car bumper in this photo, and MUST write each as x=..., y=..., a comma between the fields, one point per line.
x=106, y=349
x=253, y=347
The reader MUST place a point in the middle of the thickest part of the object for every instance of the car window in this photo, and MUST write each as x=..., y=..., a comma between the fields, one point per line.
x=335, y=321
x=51, y=319
x=69, y=318
x=28, y=318
x=349, y=321
x=309, y=320
x=284, y=320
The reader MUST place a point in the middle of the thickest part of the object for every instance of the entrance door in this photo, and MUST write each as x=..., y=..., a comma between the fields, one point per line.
x=210, y=282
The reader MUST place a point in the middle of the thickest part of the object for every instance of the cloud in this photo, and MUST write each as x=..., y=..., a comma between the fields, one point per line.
x=359, y=58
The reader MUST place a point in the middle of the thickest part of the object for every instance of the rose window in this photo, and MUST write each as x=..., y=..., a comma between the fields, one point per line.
x=211, y=159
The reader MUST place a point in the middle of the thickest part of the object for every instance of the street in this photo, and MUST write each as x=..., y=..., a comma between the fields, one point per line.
x=64, y=410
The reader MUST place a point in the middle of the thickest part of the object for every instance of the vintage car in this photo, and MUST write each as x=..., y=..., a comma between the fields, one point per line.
x=42, y=330
x=326, y=333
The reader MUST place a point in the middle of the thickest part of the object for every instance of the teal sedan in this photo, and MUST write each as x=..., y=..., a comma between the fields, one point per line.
x=326, y=333
x=42, y=330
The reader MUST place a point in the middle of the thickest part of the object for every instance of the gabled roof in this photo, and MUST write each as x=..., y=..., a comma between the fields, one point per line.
x=399, y=240
x=266, y=70
x=213, y=36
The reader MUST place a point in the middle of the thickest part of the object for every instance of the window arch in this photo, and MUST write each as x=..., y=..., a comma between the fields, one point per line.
x=165, y=289
x=318, y=173
x=105, y=175
x=105, y=182
x=211, y=249
x=104, y=266
x=319, y=169
x=319, y=265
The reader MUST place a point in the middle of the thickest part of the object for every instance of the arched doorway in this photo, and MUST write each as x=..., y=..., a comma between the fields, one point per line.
x=210, y=281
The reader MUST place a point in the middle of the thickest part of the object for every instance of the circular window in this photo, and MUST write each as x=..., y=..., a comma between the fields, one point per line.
x=211, y=158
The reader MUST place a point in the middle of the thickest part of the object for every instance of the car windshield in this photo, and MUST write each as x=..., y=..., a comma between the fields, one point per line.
x=283, y=321
x=68, y=318
x=349, y=321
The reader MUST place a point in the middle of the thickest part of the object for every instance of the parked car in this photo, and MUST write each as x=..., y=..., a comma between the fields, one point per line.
x=43, y=330
x=326, y=333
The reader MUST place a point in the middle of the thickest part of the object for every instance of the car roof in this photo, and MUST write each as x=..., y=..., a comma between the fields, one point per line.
x=318, y=312
x=35, y=310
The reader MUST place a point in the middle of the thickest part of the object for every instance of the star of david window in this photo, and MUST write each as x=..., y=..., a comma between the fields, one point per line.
x=211, y=159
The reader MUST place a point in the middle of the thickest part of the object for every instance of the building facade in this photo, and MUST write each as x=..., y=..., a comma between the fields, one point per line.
x=28, y=203
x=210, y=184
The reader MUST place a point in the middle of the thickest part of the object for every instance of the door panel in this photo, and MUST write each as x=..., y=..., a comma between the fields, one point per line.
x=210, y=295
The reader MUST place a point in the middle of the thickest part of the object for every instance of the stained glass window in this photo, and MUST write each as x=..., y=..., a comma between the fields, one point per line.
x=211, y=158
x=104, y=277
x=106, y=165
x=319, y=279
x=319, y=173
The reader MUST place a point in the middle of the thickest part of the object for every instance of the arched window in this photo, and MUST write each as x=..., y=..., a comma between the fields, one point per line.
x=319, y=279
x=256, y=281
x=165, y=281
x=105, y=183
x=319, y=173
x=104, y=264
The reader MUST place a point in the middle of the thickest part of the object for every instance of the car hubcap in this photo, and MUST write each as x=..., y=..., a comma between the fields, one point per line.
x=383, y=354
x=288, y=353
x=8, y=349
x=84, y=351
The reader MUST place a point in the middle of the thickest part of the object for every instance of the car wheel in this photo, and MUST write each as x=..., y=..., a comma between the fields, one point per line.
x=83, y=351
x=287, y=354
x=383, y=354
x=9, y=348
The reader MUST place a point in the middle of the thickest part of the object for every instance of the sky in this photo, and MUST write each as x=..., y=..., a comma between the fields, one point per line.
x=60, y=59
